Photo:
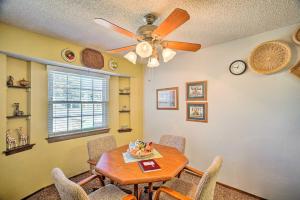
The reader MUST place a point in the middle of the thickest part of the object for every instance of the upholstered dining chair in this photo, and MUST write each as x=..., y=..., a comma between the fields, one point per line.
x=98, y=146
x=177, y=142
x=178, y=188
x=68, y=190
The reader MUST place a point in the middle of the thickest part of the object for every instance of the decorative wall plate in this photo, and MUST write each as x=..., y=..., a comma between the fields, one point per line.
x=68, y=55
x=296, y=37
x=270, y=57
x=92, y=58
x=296, y=70
x=113, y=65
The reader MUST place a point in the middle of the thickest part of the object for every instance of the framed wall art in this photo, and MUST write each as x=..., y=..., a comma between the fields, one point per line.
x=196, y=91
x=167, y=98
x=197, y=111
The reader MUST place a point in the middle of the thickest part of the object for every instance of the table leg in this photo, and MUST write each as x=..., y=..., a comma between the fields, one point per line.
x=136, y=191
x=150, y=191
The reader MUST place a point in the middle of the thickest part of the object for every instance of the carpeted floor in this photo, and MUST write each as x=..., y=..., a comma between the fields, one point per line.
x=221, y=192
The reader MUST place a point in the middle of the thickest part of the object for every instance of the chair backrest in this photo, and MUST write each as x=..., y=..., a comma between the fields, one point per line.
x=177, y=142
x=206, y=187
x=68, y=190
x=100, y=145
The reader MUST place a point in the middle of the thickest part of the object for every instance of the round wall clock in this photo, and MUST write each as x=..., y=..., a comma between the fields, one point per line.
x=237, y=67
x=113, y=65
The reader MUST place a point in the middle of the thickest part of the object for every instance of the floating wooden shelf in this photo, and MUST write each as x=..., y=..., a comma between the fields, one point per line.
x=123, y=93
x=18, y=149
x=19, y=87
x=125, y=130
x=19, y=116
x=124, y=111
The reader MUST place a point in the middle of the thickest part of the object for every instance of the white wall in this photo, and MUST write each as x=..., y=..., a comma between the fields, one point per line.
x=254, y=120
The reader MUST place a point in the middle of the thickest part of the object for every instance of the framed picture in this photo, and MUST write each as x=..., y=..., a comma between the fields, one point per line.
x=167, y=98
x=197, y=111
x=196, y=91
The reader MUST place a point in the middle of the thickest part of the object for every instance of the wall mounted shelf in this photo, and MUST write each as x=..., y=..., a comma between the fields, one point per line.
x=121, y=93
x=18, y=87
x=18, y=149
x=125, y=130
x=16, y=117
x=124, y=111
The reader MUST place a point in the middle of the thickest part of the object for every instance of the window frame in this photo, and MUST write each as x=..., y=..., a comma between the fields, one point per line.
x=71, y=134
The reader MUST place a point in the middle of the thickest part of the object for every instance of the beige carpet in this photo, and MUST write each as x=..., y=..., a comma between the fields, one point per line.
x=221, y=192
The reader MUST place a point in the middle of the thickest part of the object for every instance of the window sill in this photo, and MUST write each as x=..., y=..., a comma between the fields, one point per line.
x=76, y=135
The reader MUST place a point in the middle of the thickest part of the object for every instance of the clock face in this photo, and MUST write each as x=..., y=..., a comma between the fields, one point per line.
x=113, y=64
x=237, y=67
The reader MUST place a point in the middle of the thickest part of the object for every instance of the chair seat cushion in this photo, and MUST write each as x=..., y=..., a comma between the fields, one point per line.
x=181, y=186
x=109, y=192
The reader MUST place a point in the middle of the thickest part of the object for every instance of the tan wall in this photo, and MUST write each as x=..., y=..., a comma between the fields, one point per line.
x=25, y=172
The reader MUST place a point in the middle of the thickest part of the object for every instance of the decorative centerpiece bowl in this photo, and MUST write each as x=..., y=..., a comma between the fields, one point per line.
x=140, y=149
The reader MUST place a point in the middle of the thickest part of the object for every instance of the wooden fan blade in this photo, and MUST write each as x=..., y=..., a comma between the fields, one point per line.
x=121, y=49
x=173, y=21
x=184, y=46
x=114, y=27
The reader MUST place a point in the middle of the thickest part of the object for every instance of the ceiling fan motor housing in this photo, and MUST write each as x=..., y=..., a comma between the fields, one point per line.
x=145, y=31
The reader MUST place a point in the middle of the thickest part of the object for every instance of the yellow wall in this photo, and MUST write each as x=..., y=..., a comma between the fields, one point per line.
x=25, y=172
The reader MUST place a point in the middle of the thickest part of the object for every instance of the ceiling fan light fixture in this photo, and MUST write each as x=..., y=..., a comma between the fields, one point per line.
x=168, y=54
x=144, y=49
x=153, y=62
x=131, y=56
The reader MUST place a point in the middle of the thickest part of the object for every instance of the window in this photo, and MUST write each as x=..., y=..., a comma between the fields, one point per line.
x=77, y=101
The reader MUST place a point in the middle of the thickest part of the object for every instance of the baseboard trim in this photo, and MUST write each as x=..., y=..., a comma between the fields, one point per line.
x=28, y=196
x=241, y=191
x=224, y=185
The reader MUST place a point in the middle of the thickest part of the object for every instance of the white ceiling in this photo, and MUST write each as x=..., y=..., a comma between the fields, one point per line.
x=212, y=21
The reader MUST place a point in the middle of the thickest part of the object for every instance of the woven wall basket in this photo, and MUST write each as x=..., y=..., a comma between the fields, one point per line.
x=92, y=58
x=296, y=70
x=296, y=37
x=270, y=57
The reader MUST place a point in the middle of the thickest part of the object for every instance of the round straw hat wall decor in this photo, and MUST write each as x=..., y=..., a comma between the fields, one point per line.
x=296, y=37
x=270, y=57
x=92, y=58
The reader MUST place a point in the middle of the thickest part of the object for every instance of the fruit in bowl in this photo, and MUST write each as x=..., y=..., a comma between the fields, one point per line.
x=140, y=149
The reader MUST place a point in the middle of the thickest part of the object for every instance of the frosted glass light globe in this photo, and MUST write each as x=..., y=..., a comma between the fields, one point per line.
x=153, y=62
x=168, y=54
x=131, y=56
x=144, y=49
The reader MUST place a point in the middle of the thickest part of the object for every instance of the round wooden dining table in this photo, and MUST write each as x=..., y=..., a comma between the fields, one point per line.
x=113, y=166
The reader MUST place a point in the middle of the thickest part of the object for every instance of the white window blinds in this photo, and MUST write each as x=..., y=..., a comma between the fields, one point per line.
x=77, y=101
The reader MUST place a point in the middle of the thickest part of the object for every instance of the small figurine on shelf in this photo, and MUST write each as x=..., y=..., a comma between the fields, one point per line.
x=10, y=141
x=17, y=111
x=10, y=81
x=22, y=136
x=24, y=83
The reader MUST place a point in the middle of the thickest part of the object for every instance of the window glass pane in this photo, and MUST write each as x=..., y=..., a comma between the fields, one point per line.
x=87, y=109
x=98, y=121
x=98, y=109
x=98, y=84
x=87, y=122
x=59, y=94
x=86, y=95
x=73, y=103
x=60, y=124
x=74, y=123
x=60, y=110
x=86, y=83
x=74, y=109
x=74, y=95
x=98, y=95
x=74, y=82
x=60, y=80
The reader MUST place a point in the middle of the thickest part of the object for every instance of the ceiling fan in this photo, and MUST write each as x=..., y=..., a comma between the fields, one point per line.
x=151, y=38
